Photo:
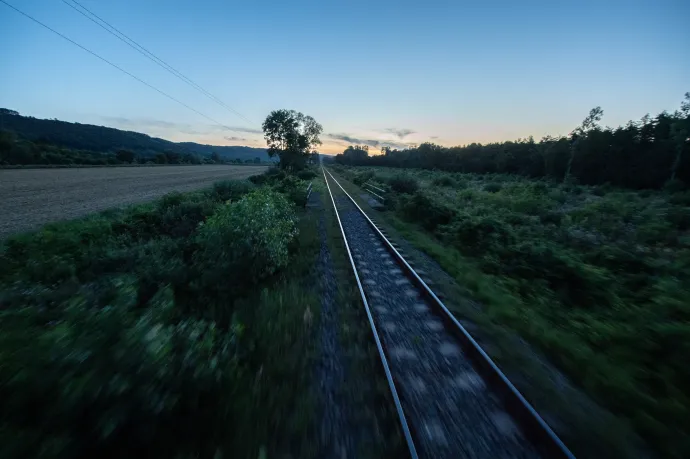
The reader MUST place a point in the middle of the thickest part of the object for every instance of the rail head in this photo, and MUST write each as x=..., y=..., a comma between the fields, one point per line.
x=537, y=428
x=379, y=345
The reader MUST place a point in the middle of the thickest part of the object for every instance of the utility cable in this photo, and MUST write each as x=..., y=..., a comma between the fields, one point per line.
x=119, y=68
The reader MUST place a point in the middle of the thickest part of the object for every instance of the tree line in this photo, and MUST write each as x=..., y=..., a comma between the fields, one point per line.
x=649, y=153
x=18, y=151
x=28, y=140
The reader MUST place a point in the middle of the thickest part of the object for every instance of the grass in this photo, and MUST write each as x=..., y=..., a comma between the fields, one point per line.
x=125, y=335
x=595, y=277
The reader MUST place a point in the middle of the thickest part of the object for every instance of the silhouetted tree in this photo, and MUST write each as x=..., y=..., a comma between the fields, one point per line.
x=292, y=136
x=125, y=156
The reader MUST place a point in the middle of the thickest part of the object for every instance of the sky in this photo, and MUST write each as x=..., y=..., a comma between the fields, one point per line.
x=380, y=73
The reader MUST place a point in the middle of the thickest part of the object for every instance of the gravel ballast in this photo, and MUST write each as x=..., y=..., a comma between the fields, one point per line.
x=448, y=406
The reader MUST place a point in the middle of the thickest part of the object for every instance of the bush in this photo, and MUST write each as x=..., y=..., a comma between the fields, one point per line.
x=679, y=217
x=230, y=190
x=673, y=186
x=244, y=242
x=477, y=234
x=119, y=328
x=403, y=184
x=492, y=187
x=360, y=178
x=107, y=382
x=425, y=211
x=443, y=180
x=306, y=174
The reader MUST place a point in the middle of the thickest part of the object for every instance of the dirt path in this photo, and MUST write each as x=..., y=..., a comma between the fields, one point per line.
x=30, y=198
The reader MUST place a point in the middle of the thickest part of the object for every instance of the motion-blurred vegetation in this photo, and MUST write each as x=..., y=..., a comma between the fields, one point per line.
x=597, y=276
x=169, y=329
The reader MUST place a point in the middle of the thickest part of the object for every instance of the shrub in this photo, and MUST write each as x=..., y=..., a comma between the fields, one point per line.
x=244, y=242
x=575, y=283
x=492, y=187
x=425, y=211
x=360, y=178
x=272, y=175
x=550, y=217
x=83, y=382
x=294, y=188
x=403, y=184
x=306, y=174
x=460, y=184
x=230, y=190
x=673, y=186
x=477, y=234
x=443, y=180
x=679, y=217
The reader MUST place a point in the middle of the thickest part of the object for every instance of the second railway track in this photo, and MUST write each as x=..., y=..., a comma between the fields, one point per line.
x=452, y=400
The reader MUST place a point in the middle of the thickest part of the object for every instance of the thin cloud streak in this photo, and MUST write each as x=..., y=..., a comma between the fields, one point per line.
x=400, y=133
x=347, y=139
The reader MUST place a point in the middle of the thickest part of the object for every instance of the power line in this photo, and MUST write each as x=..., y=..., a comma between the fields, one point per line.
x=105, y=25
x=118, y=67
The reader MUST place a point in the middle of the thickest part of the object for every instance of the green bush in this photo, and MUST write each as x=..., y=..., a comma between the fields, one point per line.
x=360, y=178
x=492, y=187
x=443, y=180
x=244, y=242
x=306, y=174
x=230, y=190
x=673, y=186
x=679, y=217
x=403, y=184
x=120, y=328
x=477, y=234
x=425, y=211
x=108, y=382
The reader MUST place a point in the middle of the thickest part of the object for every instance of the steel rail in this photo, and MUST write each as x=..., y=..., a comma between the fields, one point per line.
x=534, y=427
x=384, y=361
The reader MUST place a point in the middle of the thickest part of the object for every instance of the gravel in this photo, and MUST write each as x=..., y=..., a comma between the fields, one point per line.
x=338, y=437
x=446, y=402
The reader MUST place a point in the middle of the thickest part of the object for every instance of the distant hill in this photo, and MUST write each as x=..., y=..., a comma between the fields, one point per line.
x=109, y=140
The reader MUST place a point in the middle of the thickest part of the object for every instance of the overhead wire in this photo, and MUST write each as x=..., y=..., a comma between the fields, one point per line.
x=105, y=25
x=120, y=68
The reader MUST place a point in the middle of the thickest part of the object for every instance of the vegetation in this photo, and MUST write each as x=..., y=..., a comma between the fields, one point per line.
x=650, y=153
x=598, y=277
x=166, y=329
x=26, y=140
x=292, y=136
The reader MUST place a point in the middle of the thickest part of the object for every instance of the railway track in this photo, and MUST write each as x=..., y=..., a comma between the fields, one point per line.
x=451, y=399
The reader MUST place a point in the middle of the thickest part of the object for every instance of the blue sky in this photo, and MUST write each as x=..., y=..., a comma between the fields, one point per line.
x=395, y=72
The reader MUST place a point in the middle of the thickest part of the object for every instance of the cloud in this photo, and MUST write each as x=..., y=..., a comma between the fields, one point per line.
x=400, y=133
x=434, y=137
x=235, y=139
x=348, y=139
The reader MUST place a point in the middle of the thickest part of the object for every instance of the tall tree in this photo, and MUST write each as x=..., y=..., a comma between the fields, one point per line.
x=292, y=136
x=680, y=131
x=580, y=132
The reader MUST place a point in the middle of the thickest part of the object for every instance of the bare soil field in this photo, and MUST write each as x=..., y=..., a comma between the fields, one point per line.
x=30, y=198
